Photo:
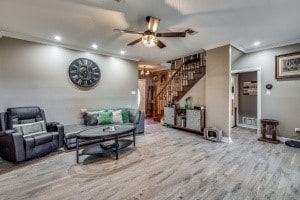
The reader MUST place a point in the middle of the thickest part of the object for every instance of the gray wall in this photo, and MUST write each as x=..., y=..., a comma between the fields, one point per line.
x=217, y=88
x=284, y=102
x=247, y=103
x=197, y=93
x=37, y=74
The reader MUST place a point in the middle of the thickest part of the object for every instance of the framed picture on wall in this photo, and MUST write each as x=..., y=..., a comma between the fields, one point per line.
x=155, y=78
x=250, y=88
x=287, y=66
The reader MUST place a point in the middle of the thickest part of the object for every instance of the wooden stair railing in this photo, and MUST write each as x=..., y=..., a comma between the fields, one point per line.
x=182, y=80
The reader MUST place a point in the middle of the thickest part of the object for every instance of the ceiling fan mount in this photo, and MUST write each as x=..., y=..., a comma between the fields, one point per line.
x=149, y=37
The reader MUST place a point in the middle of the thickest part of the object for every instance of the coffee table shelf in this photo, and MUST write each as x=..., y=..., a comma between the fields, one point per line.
x=97, y=149
x=120, y=131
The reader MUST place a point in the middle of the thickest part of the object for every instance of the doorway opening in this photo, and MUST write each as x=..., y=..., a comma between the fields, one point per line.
x=246, y=98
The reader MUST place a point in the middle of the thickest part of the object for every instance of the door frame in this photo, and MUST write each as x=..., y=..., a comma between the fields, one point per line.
x=258, y=74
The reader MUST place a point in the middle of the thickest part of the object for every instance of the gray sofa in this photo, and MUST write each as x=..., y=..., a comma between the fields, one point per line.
x=89, y=120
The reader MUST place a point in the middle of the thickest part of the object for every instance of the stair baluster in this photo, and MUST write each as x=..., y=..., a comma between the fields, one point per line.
x=181, y=81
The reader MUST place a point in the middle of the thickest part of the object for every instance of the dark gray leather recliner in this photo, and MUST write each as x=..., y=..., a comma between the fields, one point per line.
x=16, y=146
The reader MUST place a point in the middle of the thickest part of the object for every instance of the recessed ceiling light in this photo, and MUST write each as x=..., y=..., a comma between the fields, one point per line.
x=257, y=43
x=122, y=52
x=57, y=38
x=95, y=46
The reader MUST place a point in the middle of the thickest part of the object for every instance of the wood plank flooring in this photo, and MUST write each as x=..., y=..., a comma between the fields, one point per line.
x=166, y=164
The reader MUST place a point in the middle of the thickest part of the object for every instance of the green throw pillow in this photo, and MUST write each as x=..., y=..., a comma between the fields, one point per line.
x=125, y=116
x=105, y=118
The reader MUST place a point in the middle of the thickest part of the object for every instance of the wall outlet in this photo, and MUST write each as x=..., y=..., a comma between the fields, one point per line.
x=297, y=130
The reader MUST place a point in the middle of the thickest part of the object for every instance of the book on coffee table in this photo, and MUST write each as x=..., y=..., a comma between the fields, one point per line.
x=108, y=145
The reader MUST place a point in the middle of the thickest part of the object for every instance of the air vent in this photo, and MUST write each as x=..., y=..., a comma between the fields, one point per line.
x=190, y=31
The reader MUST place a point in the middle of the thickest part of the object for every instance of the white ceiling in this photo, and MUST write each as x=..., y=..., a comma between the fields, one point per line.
x=84, y=22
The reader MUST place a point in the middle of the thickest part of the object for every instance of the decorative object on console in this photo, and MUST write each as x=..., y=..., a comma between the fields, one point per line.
x=84, y=72
x=187, y=103
x=213, y=134
x=287, y=66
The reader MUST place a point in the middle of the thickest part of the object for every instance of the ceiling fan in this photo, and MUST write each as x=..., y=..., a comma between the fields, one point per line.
x=149, y=37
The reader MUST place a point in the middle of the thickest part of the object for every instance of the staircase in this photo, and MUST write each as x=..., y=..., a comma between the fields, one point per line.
x=181, y=81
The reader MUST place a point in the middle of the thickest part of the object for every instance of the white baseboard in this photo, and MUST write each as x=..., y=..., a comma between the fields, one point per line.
x=227, y=140
x=282, y=139
x=247, y=126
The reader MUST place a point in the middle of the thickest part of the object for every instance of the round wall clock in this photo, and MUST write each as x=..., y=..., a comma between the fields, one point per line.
x=84, y=72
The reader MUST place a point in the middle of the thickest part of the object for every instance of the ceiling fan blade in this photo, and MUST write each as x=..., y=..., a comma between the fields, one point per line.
x=171, y=34
x=134, y=42
x=127, y=31
x=160, y=44
x=153, y=23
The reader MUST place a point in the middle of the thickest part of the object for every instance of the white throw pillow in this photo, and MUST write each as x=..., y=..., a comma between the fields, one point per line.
x=117, y=116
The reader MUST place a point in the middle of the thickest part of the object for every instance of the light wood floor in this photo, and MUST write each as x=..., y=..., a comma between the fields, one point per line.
x=166, y=164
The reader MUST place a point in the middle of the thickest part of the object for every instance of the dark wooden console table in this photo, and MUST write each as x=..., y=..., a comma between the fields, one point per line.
x=269, y=126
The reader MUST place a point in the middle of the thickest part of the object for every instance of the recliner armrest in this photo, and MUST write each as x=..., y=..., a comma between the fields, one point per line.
x=12, y=146
x=61, y=132
x=52, y=126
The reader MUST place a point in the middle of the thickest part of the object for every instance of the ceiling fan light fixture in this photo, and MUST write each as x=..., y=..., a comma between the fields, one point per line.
x=153, y=23
x=149, y=40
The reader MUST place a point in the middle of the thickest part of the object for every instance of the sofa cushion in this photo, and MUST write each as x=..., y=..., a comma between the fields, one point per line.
x=125, y=116
x=30, y=128
x=91, y=119
x=117, y=116
x=134, y=115
x=105, y=118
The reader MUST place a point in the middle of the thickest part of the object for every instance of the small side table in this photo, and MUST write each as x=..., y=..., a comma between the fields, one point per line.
x=269, y=126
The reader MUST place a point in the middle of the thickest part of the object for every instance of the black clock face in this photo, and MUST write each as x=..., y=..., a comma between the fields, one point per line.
x=84, y=72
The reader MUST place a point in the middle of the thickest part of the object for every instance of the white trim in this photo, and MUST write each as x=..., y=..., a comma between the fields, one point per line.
x=248, y=69
x=236, y=96
x=229, y=94
x=258, y=101
x=282, y=139
x=238, y=46
x=246, y=126
x=227, y=140
x=271, y=46
x=49, y=42
x=258, y=70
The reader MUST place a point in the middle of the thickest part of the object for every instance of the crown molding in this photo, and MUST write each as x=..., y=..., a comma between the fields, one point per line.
x=49, y=42
x=266, y=47
x=238, y=46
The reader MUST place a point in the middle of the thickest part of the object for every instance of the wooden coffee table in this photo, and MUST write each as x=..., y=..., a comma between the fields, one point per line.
x=105, y=134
